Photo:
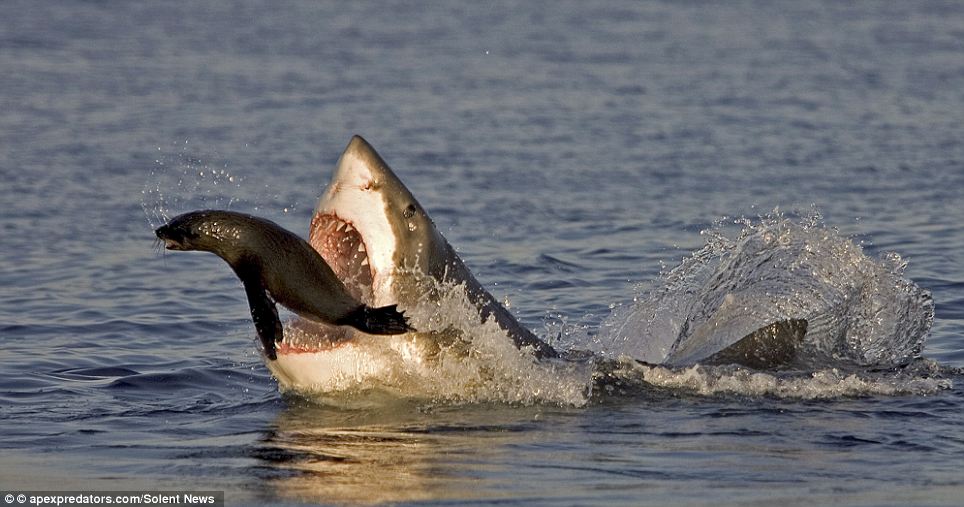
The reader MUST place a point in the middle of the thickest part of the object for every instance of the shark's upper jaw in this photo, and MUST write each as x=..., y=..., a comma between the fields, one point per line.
x=351, y=229
x=359, y=247
x=354, y=226
x=343, y=248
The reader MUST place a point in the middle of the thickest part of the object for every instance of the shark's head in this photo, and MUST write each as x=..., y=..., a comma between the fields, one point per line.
x=383, y=246
x=368, y=225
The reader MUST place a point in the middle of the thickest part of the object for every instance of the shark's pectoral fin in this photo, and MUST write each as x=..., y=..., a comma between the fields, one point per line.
x=264, y=314
x=770, y=346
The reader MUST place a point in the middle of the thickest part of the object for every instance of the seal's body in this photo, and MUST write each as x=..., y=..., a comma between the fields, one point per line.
x=276, y=265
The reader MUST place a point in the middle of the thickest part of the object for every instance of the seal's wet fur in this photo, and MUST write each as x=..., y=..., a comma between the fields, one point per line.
x=276, y=265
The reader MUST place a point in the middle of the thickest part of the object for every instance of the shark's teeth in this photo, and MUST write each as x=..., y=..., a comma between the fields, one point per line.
x=341, y=245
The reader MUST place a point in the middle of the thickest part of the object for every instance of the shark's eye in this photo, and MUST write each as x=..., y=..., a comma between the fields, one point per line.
x=409, y=211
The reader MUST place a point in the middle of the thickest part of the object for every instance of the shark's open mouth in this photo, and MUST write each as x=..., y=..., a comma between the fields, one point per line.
x=342, y=247
x=386, y=250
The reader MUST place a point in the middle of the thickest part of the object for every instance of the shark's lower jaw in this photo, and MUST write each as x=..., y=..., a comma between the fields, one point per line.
x=303, y=336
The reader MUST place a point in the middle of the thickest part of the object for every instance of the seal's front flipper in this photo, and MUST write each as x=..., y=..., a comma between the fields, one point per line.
x=384, y=320
x=770, y=346
x=264, y=314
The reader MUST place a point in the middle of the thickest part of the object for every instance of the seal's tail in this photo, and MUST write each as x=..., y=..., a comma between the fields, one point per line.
x=384, y=320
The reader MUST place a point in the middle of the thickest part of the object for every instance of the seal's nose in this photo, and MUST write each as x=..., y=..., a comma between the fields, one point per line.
x=170, y=236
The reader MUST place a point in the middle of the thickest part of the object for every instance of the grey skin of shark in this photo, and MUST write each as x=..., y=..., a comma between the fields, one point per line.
x=370, y=228
x=276, y=265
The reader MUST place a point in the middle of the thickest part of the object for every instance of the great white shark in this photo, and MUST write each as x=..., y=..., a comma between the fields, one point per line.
x=382, y=244
x=380, y=241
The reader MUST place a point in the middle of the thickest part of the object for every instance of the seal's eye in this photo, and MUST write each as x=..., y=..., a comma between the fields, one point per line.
x=409, y=211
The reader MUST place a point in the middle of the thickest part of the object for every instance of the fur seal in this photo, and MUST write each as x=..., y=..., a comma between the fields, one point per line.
x=276, y=265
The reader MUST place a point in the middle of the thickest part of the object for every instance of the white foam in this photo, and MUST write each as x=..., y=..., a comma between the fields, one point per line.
x=828, y=383
x=484, y=366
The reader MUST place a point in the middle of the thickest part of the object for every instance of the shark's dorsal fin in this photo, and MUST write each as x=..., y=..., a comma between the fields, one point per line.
x=770, y=346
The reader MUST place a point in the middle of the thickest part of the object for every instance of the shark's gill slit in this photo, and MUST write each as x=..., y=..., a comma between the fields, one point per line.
x=342, y=247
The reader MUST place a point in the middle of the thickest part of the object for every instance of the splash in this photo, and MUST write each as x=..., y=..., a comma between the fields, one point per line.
x=182, y=180
x=862, y=311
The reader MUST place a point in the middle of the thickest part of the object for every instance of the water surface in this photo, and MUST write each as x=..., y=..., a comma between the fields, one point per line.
x=569, y=151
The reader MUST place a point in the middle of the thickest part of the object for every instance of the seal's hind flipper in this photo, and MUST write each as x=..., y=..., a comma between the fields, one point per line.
x=384, y=320
x=770, y=346
x=264, y=314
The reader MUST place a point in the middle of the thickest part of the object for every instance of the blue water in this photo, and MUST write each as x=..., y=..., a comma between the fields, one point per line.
x=570, y=151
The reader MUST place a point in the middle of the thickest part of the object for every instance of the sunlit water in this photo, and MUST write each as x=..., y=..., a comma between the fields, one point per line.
x=572, y=154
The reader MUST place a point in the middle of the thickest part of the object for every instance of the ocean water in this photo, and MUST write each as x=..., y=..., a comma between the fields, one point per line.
x=576, y=154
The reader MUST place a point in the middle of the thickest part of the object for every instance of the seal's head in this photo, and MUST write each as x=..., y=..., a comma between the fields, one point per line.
x=208, y=230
